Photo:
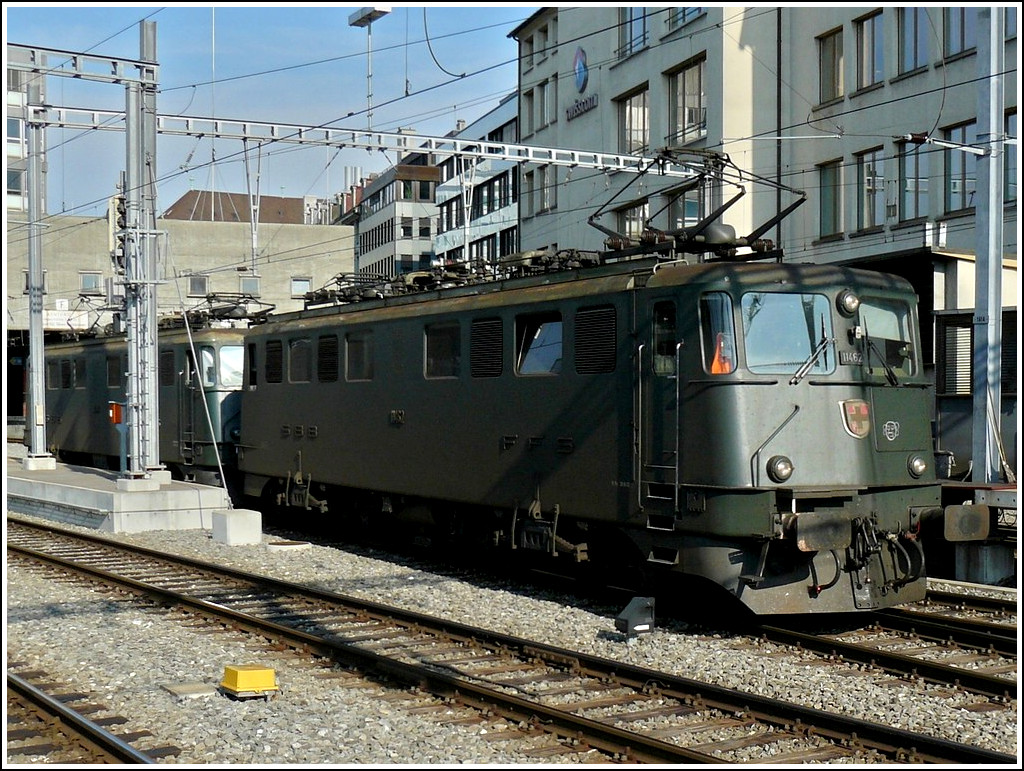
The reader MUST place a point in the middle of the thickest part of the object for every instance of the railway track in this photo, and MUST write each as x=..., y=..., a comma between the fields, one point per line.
x=48, y=720
x=627, y=713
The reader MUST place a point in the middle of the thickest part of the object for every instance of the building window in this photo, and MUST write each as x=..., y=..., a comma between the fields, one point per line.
x=830, y=66
x=300, y=285
x=1010, y=23
x=870, y=46
x=633, y=121
x=678, y=17
x=632, y=30
x=961, y=28
x=14, y=130
x=249, y=285
x=631, y=222
x=686, y=104
x=831, y=192
x=870, y=190
x=913, y=182
x=508, y=241
x=406, y=227
x=914, y=30
x=1010, y=159
x=90, y=283
x=14, y=181
x=961, y=168
x=198, y=285
x=549, y=188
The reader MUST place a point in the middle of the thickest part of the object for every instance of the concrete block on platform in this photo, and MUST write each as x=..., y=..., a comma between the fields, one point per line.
x=237, y=527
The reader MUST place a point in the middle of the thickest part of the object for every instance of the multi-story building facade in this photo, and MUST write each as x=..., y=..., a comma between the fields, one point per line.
x=395, y=221
x=489, y=224
x=818, y=101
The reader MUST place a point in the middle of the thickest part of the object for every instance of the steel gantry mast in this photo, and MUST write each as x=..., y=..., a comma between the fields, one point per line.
x=137, y=272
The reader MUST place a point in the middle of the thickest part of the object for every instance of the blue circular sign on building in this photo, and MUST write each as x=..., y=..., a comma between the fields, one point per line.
x=579, y=67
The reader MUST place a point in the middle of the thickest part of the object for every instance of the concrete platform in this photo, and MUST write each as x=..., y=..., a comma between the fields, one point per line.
x=96, y=498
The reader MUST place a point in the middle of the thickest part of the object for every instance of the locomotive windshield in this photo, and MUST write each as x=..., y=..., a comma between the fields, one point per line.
x=783, y=333
x=888, y=334
x=231, y=365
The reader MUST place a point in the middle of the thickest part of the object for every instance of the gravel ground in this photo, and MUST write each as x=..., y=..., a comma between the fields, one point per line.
x=127, y=657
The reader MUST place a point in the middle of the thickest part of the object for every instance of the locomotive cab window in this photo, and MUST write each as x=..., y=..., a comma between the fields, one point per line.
x=53, y=375
x=888, y=337
x=231, y=362
x=442, y=350
x=539, y=344
x=208, y=370
x=300, y=360
x=359, y=356
x=783, y=332
x=664, y=338
x=114, y=370
x=718, y=335
x=166, y=372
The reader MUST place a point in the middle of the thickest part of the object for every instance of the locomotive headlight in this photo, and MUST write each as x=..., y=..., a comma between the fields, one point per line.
x=780, y=468
x=847, y=302
x=916, y=465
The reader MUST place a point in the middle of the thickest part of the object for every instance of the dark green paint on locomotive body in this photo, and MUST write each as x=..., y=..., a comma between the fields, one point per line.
x=660, y=450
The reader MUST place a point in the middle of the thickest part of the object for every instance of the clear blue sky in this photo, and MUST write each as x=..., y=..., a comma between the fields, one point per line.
x=300, y=64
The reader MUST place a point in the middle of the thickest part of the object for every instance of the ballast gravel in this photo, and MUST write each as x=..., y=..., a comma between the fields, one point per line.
x=129, y=658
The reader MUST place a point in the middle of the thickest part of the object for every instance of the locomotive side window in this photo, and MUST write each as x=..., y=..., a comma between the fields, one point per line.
x=443, y=350
x=327, y=358
x=274, y=365
x=114, y=370
x=65, y=373
x=664, y=338
x=231, y=363
x=888, y=326
x=208, y=371
x=53, y=375
x=300, y=360
x=595, y=340
x=718, y=335
x=485, y=359
x=782, y=332
x=539, y=344
x=359, y=356
x=251, y=362
x=79, y=373
x=166, y=372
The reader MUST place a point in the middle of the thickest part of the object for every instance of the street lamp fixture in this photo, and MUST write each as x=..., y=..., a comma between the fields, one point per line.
x=365, y=17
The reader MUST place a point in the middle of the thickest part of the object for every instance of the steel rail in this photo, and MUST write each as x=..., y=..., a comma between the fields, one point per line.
x=94, y=735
